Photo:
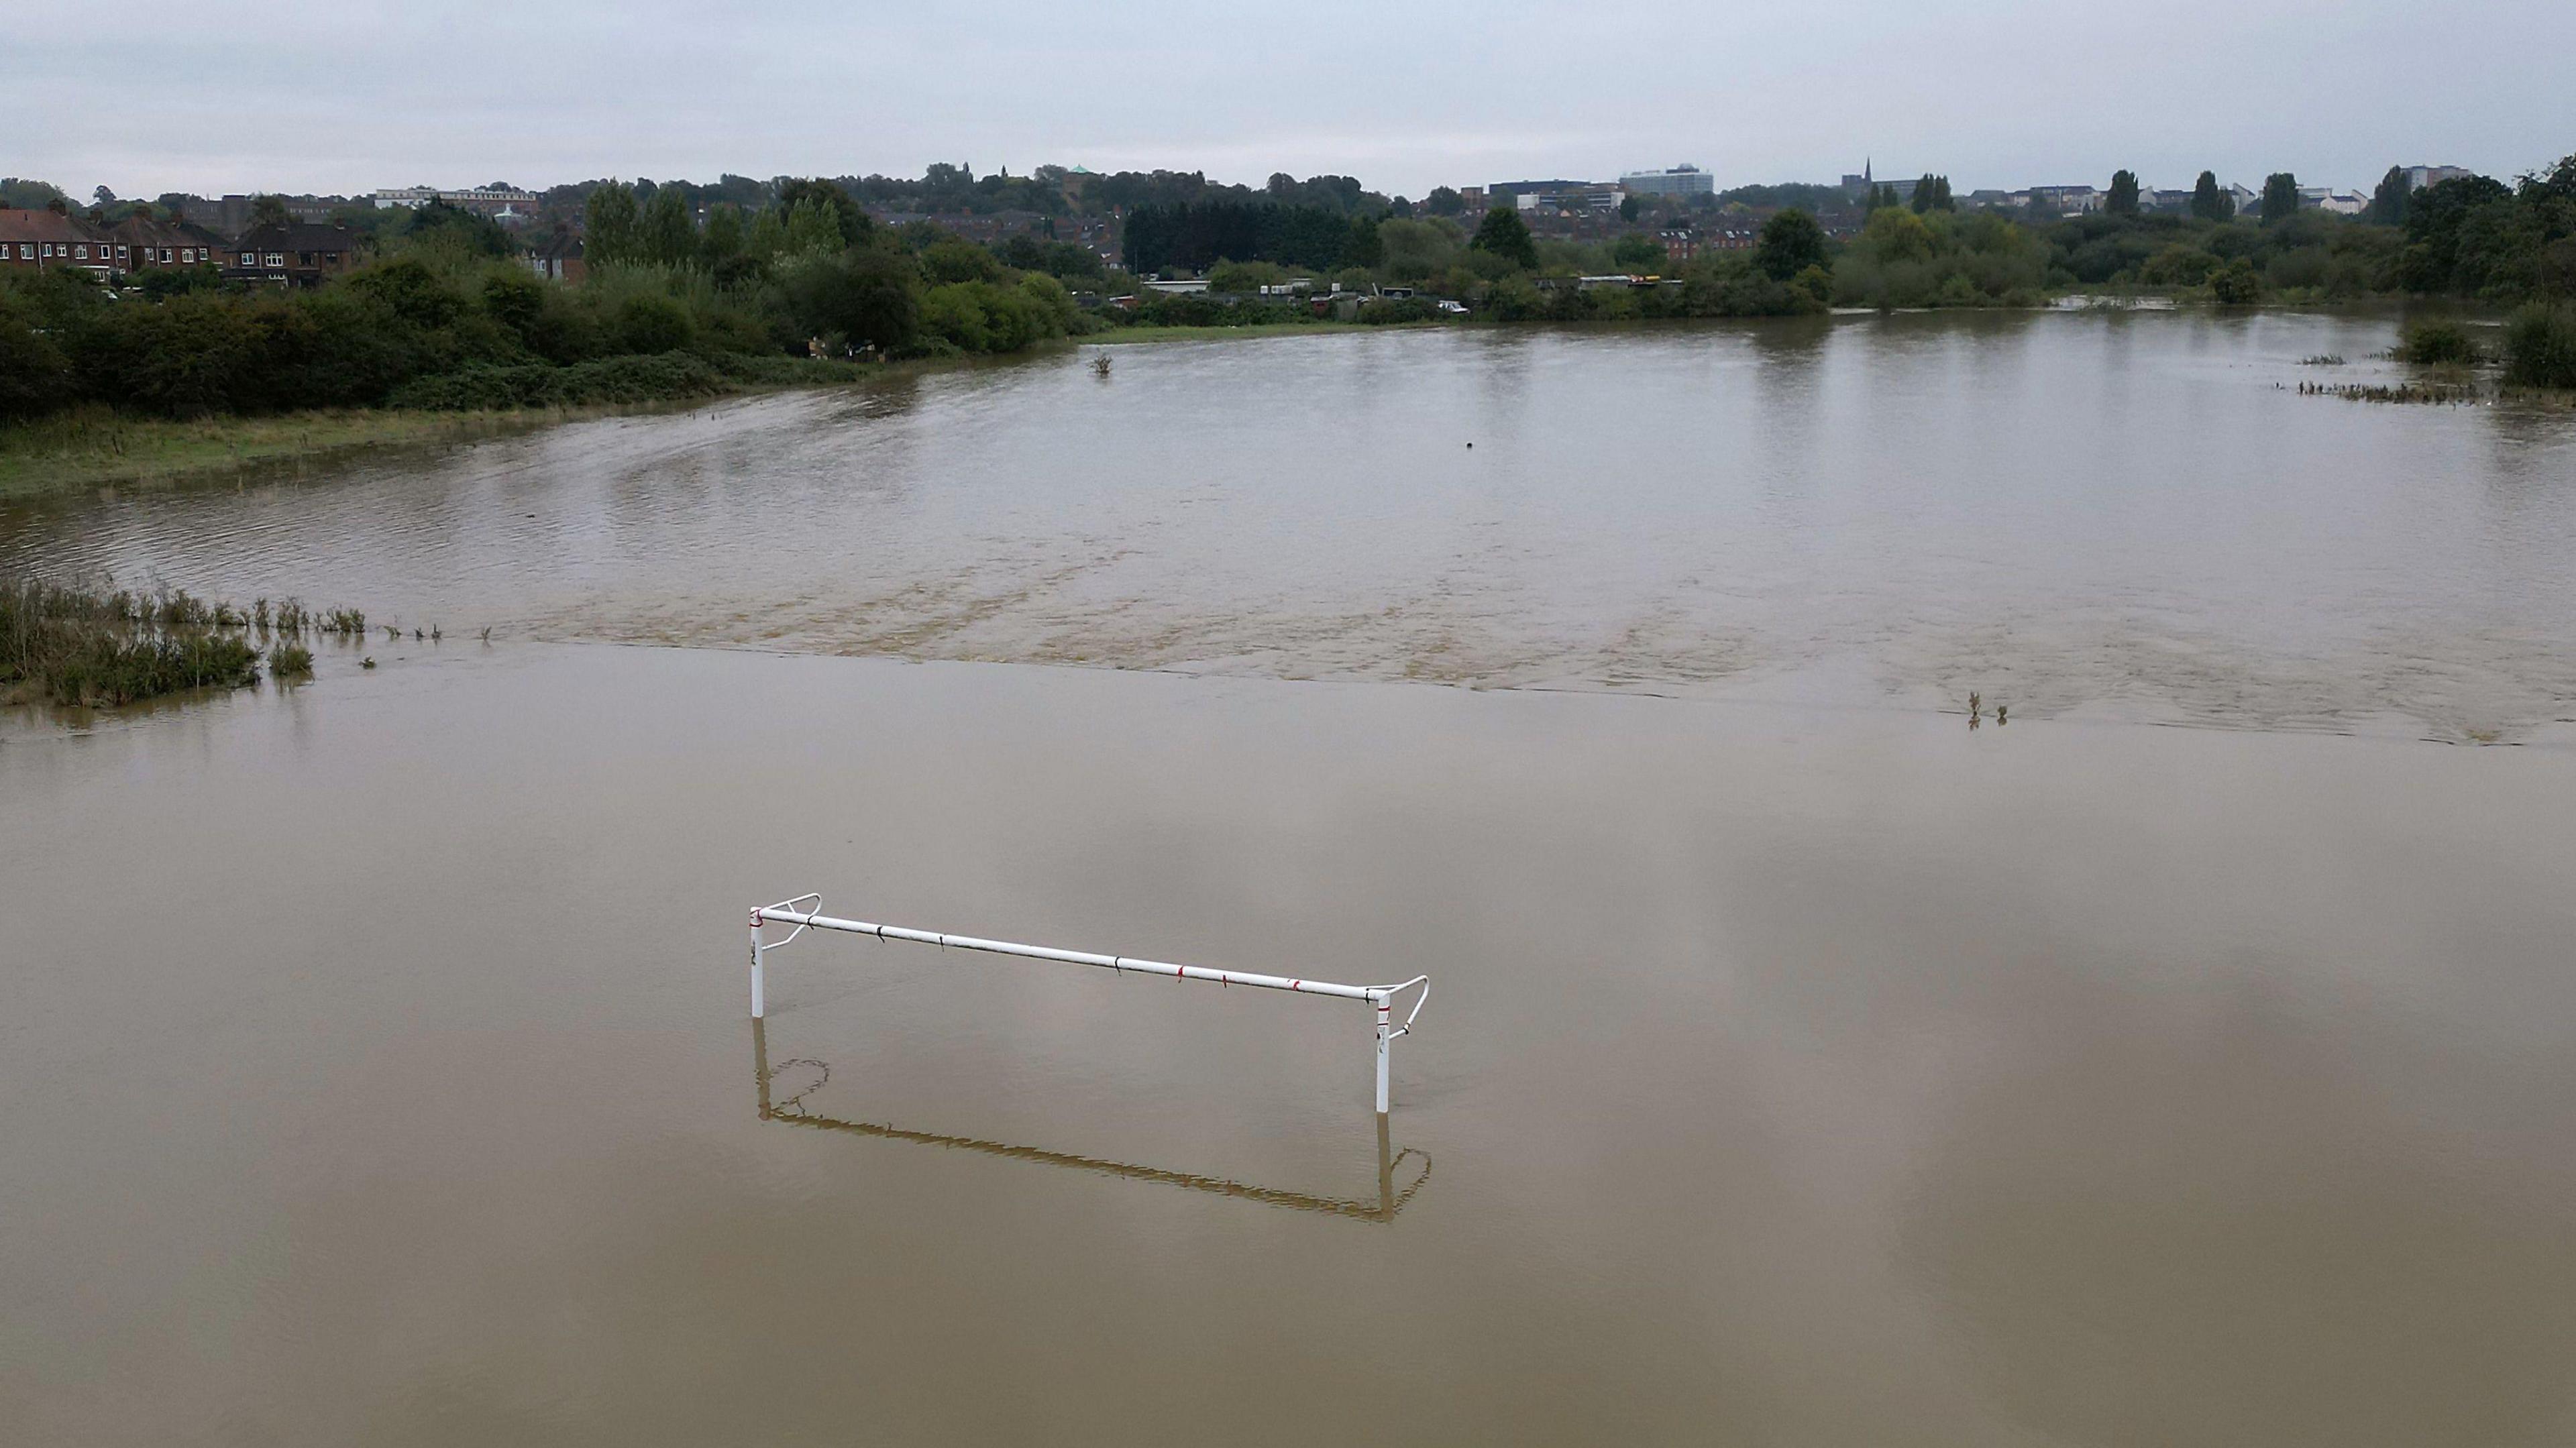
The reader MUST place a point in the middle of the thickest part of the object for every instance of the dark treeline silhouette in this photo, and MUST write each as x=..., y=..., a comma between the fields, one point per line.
x=1198, y=234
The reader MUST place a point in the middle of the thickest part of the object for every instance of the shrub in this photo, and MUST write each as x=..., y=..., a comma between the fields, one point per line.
x=670, y=377
x=1400, y=309
x=475, y=389
x=649, y=324
x=83, y=646
x=2435, y=342
x=35, y=377
x=101, y=668
x=862, y=298
x=517, y=300
x=2301, y=267
x=2236, y=284
x=411, y=291
x=2540, y=346
x=952, y=261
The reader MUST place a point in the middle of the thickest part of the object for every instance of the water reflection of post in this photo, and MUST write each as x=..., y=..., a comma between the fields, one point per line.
x=1389, y=1200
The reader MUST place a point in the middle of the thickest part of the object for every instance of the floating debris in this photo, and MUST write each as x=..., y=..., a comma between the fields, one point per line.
x=2451, y=394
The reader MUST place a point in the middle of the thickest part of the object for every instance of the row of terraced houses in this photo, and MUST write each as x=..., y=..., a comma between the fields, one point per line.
x=296, y=253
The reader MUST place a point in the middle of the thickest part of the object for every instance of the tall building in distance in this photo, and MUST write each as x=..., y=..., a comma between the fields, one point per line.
x=2419, y=177
x=1684, y=180
x=493, y=201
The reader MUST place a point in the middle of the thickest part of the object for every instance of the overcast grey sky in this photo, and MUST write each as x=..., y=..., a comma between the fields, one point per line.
x=349, y=95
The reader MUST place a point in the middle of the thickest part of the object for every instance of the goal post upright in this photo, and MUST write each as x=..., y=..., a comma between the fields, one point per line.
x=1380, y=998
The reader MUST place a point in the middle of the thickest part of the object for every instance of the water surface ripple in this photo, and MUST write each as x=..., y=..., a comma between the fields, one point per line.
x=2131, y=514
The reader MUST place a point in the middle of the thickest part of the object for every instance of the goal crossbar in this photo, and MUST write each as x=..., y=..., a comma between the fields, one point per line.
x=1380, y=998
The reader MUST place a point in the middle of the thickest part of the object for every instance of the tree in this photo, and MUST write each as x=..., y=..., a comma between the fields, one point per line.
x=35, y=377
x=608, y=225
x=648, y=325
x=2237, y=284
x=1365, y=248
x=20, y=194
x=1791, y=242
x=1245, y=278
x=866, y=297
x=2438, y=220
x=2208, y=202
x=855, y=225
x=811, y=227
x=722, y=240
x=1932, y=193
x=269, y=211
x=2123, y=197
x=1504, y=234
x=457, y=230
x=513, y=297
x=1418, y=250
x=2280, y=197
x=2388, y=202
x=668, y=232
x=1444, y=201
x=953, y=259
x=2558, y=183
x=767, y=236
x=1628, y=208
x=1637, y=252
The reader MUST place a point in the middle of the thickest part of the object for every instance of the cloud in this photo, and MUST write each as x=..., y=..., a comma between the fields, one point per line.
x=303, y=95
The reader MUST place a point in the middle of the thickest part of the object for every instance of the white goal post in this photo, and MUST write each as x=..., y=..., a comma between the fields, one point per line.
x=804, y=913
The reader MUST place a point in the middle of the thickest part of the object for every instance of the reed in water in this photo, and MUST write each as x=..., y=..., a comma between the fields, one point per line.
x=97, y=645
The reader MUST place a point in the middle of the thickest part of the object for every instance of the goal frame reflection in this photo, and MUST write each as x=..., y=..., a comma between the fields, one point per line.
x=1391, y=1164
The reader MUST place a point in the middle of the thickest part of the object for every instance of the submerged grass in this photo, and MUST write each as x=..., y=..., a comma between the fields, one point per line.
x=99, y=445
x=95, y=444
x=103, y=646
x=96, y=667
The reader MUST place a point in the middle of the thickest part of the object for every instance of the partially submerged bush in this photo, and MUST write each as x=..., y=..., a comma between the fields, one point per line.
x=2540, y=346
x=2236, y=284
x=93, y=646
x=104, y=669
x=2437, y=342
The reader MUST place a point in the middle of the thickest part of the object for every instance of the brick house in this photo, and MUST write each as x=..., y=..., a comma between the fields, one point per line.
x=558, y=259
x=298, y=254
x=37, y=239
x=144, y=242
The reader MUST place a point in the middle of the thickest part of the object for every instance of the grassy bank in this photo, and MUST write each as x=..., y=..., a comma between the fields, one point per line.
x=95, y=444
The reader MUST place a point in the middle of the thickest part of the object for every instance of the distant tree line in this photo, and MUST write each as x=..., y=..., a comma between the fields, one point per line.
x=446, y=316
x=1196, y=234
x=686, y=297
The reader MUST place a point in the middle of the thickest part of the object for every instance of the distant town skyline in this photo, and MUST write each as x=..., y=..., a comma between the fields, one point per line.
x=304, y=97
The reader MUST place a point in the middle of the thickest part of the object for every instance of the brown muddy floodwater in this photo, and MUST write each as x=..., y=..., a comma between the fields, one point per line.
x=1803, y=1067
x=2128, y=515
